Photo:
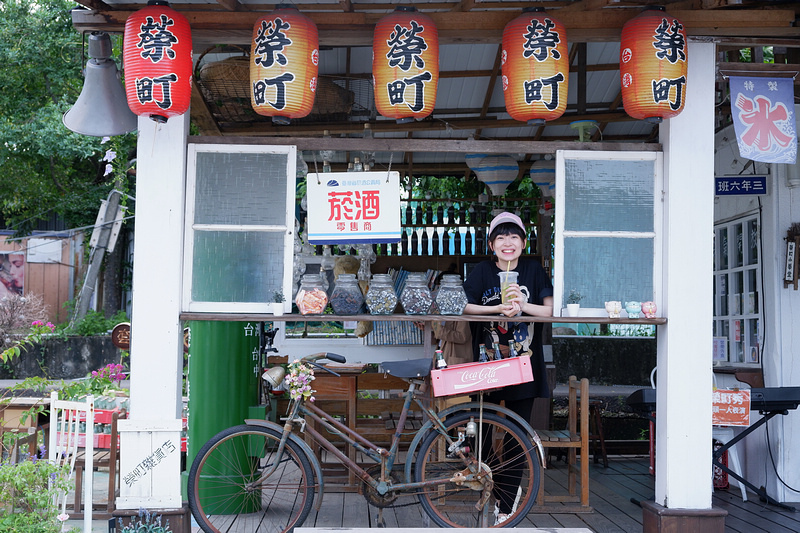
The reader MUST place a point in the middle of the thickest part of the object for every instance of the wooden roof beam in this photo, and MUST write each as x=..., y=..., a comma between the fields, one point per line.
x=356, y=29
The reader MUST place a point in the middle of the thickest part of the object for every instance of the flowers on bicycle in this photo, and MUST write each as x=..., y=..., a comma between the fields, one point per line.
x=298, y=379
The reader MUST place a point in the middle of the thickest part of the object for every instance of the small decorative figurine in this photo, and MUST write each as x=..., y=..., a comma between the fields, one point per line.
x=633, y=309
x=649, y=309
x=613, y=308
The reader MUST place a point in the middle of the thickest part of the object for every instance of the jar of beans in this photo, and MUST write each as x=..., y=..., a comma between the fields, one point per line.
x=450, y=298
x=311, y=298
x=381, y=298
x=346, y=298
x=416, y=297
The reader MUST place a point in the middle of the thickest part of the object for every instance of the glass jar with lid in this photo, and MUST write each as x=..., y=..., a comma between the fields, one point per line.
x=346, y=298
x=381, y=298
x=311, y=298
x=451, y=298
x=416, y=296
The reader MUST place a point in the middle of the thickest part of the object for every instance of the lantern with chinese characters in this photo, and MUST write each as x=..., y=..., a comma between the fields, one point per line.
x=652, y=66
x=535, y=63
x=284, y=63
x=405, y=64
x=157, y=54
x=543, y=174
x=497, y=172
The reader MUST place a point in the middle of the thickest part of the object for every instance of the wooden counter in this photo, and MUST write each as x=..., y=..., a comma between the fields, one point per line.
x=266, y=317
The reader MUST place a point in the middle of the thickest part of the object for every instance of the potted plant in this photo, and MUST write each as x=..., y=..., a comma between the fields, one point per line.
x=573, y=302
x=278, y=298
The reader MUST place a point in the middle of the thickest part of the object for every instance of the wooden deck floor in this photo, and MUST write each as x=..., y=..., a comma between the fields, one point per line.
x=611, y=491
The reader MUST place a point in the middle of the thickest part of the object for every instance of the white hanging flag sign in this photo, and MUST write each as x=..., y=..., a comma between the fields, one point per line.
x=353, y=207
x=763, y=117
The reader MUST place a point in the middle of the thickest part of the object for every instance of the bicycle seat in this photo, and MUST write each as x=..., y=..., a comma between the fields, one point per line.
x=411, y=368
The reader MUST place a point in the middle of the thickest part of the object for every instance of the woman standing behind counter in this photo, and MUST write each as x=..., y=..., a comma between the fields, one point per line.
x=531, y=295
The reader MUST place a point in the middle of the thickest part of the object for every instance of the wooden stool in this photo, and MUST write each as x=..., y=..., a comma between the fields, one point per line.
x=596, y=431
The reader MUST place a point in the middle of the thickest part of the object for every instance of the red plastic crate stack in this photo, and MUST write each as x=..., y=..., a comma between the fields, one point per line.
x=184, y=426
x=100, y=440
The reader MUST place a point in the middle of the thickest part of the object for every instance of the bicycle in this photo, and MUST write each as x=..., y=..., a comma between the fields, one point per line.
x=262, y=477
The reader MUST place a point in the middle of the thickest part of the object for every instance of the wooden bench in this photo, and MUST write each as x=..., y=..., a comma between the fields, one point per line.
x=575, y=437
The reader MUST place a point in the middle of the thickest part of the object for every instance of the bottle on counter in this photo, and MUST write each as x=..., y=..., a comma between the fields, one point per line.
x=346, y=298
x=450, y=297
x=440, y=362
x=497, y=353
x=512, y=350
x=311, y=298
x=381, y=298
x=416, y=297
x=483, y=357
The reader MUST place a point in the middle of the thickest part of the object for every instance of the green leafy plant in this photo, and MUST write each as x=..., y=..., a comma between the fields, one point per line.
x=34, y=336
x=574, y=297
x=95, y=323
x=146, y=522
x=28, y=490
x=277, y=296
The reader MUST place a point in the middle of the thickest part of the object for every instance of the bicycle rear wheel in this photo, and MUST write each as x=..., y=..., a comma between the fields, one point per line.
x=509, y=457
x=222, y=493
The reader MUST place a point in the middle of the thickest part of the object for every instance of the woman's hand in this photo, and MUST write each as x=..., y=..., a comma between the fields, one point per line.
x=516, y=298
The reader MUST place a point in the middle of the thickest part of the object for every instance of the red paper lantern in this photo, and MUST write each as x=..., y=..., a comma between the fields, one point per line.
x=284, y=63
x=405, y=64
x=652, y=65
x=535, y=62
x=157, y=54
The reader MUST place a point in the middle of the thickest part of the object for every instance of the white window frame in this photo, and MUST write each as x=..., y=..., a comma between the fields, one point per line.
x=560, y=214
x=732, y=316
x=287, y=229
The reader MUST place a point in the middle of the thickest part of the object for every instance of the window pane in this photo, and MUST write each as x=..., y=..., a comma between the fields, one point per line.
x=609, y=195
x=722, y=295
x=752, y=292
x=240, y=189
x=723, y=248
x=233, y=266
x=752, y=242
x=752, y=340
x=607, y=268
x=738, y=253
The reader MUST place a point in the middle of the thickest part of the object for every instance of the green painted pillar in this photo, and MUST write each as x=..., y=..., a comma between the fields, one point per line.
x=223, y=378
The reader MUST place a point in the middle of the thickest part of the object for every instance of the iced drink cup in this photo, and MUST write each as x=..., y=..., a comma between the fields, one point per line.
x=506, y=279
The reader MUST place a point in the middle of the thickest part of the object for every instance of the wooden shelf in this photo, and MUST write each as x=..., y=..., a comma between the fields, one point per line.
x=266, y=317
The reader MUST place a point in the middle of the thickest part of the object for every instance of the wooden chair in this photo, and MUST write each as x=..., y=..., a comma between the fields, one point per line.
x=575, y=437
x=65, y=443
x=107, y=458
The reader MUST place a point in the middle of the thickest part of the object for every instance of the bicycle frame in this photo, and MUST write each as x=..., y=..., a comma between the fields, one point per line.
x=299, y=411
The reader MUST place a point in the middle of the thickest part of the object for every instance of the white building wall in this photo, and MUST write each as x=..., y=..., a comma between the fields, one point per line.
x=781, y=314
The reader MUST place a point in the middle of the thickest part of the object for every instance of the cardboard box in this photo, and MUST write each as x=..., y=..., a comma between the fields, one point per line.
x=472, y=377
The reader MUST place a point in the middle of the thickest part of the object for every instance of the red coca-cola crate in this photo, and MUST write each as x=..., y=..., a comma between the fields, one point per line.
x=472, y=377
x=62, y=439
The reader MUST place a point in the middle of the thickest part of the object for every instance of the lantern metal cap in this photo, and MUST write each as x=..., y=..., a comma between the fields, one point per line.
x=533, y=9
x=286, y=6
x=157, y=3
x=408, y=9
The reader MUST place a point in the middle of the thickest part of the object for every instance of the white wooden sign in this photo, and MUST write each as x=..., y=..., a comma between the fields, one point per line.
x=353, y=207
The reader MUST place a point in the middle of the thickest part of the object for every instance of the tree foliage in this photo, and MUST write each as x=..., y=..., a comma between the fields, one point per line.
x=44, y=167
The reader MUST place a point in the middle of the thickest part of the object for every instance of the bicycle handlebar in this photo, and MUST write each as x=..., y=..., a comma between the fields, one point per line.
x=335, y=357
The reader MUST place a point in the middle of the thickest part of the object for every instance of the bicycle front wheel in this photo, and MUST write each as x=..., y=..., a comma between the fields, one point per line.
x=509, y=460
x=225, y=490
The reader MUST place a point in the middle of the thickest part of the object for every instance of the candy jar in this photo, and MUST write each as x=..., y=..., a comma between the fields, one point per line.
x=346, y=298
x=311, y=298
x=416, y=296
x=451, y=298
x=381, y=298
